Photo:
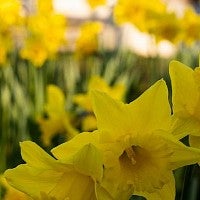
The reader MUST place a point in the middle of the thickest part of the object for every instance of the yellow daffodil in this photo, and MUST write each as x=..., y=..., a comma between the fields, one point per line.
x=34, y=51
x=165, y=26
x=191, y=27
x=57, y=120
x=10, y=17
x=95, y=3
x=10, y=13
x=45, y=34
x=139, y=13
x=139, y=151
x=43, y=177
x=84, y=100
x=186, y=101
x=88, y=41
x=12, y=193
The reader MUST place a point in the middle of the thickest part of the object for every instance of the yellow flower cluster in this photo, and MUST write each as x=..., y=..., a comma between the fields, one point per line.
x=134, y=150
x=154, y=18
x=9, y=18
x=39, y=34
x=46, y=33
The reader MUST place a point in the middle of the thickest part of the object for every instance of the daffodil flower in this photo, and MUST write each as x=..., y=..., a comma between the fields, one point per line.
x=139, y=151
x=57, y=120
x=87, y=42
x=186, y=101
x=43, y=177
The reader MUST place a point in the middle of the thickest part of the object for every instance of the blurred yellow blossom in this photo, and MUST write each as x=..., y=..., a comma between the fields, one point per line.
x=57, y=120
x=45, y=34
x=96, y=3
x=84, y=101
x=34, y=50
x=139, y=13
x=191, y=26
x=88, y=39
x=10, y=13
x=43, y=177
x=10, y=17
x=186, y=101
x=166, y=26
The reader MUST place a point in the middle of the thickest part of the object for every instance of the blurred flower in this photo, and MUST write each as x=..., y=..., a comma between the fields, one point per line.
x=12, y=193
x=186, y=101
x=43, y=177
x=166, y=26
x=10, y=17
x=57, y=120
x=88, y=39
x=34, y=51
x=84, y=101
x=95, y=3
x=10, y=13
x=139, y=13
x=191, y=27
x=45, y=34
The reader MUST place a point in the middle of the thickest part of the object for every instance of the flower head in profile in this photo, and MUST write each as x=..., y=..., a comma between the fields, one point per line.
x=88, y=40
x=191, y=26
x=57, y=120
x=139, y=151
x=43, y=177
x=84, y=100
x=186, y=101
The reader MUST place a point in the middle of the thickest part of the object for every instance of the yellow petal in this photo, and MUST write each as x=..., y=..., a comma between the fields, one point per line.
x=32, y=181
x=93, y=157
x=102, y=194
x=55, y=101
x=68, y=149
x=89, y=123
x=97, y=83
x=181, y=155
x=110, y=114
x=35, y=156
x=151, y=110
x=73, y=185
x=56, y=184
x=83, y=100
x=166, y=193
x=182, y=126
x=184, y=89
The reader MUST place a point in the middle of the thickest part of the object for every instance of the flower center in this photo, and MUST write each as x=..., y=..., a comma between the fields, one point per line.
x=131, y=154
